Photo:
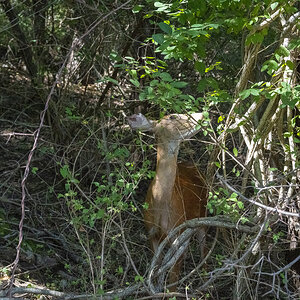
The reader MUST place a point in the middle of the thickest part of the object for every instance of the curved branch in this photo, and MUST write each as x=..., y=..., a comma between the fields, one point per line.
x=202, y=262
x=265, y=207
x=189, y=228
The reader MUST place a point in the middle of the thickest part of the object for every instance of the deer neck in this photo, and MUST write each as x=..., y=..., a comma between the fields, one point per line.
x=166, y=167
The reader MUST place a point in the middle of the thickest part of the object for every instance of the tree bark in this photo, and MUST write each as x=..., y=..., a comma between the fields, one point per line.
x=20, y=37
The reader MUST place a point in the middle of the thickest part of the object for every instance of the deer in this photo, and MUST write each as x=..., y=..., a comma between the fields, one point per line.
x=178, y=191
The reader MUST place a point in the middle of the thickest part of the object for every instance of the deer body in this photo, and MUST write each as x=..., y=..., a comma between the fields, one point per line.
x=187, y=202
x=178, y=192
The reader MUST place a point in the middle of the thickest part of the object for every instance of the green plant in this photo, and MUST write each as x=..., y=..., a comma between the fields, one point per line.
x=222, y=201
x=111, y=192
x=167, y=93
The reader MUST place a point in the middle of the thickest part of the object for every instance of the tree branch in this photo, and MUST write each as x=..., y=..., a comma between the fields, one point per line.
x=265, y=207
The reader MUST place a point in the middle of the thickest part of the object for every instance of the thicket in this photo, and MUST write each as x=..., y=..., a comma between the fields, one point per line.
x=74, y=177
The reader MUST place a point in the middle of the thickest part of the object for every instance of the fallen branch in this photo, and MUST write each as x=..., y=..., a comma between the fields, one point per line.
x=121, y=293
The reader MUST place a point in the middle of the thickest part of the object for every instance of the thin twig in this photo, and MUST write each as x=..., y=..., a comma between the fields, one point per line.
x=267, y=208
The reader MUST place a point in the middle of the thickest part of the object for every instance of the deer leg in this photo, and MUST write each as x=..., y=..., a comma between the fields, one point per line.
x=174, y=273
x=154, y=244
x=201, y=237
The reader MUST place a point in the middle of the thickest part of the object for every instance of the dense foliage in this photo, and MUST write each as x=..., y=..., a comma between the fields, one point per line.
x=74, y=177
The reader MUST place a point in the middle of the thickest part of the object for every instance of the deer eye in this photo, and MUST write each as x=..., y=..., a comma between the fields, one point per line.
x=173, y=117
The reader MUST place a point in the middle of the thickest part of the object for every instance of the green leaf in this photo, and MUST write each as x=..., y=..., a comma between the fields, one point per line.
x=235, y=152
x=165, y=27
x=245, y=94
x=138, y=278
x=158, y=38
x=274, y=5
x=200, y=67
x=133, y=73
x=270, y=65
x=135, y=82
x=162, y=7
x=255, y=38
x=114, y=81
x=179, y=84
x=100, y=291
x=137, y=8
x=206, y=25
x=213, y=83
x=205, y=114
x=273, y=64
x=158, y=4
x=217, y=164
x=290, y=64
x=254, y=92
x=165, y=76
x=100, y=214
x=286, y=86
x=74, y=180
x=264, y=67
x=64, y=171
x=202, y=85
x=294, y=44
x=142, y=96
x=148, y=16
x=240, y=204
x=296, y=140
x=233, y=196
x=277, y=56
x=34, y=170
x=114, y=56
x=283, y=51
x=154, y=82
x=289, y=100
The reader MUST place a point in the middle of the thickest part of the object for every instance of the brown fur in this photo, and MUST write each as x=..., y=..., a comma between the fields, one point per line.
x=189, y=199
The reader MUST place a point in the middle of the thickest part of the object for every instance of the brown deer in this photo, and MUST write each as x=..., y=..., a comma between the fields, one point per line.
x=178, y=192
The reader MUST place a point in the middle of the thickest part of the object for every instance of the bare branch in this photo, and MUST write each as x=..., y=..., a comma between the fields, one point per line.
x=267, y=208
x=190, y=227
